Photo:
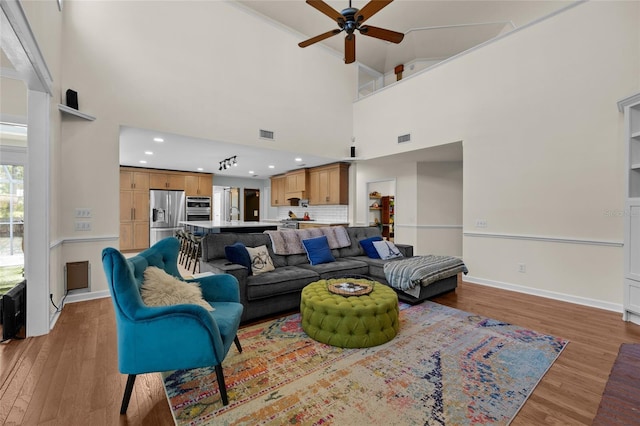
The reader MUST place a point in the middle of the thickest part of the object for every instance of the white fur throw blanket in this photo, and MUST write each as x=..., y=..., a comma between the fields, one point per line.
x=289, y=241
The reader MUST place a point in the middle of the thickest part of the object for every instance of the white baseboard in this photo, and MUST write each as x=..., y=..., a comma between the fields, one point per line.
x=54, y=319
x=615, y=307
x=87, y=295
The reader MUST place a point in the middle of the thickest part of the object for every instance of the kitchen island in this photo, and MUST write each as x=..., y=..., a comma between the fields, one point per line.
x=217, y=226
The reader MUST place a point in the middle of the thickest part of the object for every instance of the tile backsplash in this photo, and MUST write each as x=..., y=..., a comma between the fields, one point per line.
x=321, y=213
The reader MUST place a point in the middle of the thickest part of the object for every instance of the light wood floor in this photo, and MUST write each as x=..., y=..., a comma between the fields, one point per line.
x=70, y=376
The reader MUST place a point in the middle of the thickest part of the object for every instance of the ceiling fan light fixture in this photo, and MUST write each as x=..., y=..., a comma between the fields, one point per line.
x=349, y=20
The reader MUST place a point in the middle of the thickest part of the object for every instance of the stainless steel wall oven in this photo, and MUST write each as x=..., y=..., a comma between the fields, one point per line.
x=198, y=208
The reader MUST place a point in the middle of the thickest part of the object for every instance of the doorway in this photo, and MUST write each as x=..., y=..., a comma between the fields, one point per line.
x=251, y=205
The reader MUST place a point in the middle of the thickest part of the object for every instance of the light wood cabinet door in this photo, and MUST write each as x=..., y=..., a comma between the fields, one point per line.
x=314, y=188
x=175, y=182
x=198, y=185
x=329, y=185
x=138, y=181
x=278, y=190
x=126, y=179
x=126, y=236
x=126, y=206
x=140, y=235
x=296, y=181
x=166, y=181
x=141, y=206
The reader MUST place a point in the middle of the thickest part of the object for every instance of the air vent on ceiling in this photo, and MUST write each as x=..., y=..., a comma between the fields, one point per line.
x=267, y=134
x=404, y=138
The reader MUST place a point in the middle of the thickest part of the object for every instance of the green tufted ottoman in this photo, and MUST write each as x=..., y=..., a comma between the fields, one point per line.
x=353, y=321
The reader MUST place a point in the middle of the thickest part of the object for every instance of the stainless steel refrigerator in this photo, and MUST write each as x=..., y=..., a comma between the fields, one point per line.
x=167, y=208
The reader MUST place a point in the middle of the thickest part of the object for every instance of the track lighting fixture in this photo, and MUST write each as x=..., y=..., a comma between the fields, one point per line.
x=227, y=162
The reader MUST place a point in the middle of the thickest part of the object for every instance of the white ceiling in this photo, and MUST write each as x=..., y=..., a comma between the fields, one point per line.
x=178, y=152
x=435, y=30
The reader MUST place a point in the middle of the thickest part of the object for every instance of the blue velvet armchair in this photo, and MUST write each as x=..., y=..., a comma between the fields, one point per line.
x=154, y=339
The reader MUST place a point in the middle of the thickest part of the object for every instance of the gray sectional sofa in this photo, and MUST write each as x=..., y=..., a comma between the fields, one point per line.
x=279, y=290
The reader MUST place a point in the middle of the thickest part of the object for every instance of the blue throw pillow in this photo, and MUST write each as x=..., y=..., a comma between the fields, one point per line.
x=237, y=253
x=318, y=250
x=369, y=249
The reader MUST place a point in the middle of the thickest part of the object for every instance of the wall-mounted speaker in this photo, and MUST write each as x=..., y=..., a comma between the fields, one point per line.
x=353, y=152
x=72, y=99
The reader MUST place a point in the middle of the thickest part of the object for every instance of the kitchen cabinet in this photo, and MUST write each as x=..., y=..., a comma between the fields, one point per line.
x=134, y=236
x=173, y=181
x=198, y=185
x=278, y=184
x=134, y=218
x=329, y=184
x=134, y=180
x=296, y=183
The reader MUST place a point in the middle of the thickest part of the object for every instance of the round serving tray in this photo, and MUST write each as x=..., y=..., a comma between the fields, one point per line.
x=346, y=288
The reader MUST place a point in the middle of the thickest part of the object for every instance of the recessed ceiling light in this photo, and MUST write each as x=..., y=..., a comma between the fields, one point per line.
x=250, y=172
x=298, y=159
x=148, y=152
x=200, y=169
x=143, y=161
x=158, y=140
x=271, y=166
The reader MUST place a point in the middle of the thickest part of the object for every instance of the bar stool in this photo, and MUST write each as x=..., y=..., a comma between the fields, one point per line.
x=195, y=251
x=181, y=235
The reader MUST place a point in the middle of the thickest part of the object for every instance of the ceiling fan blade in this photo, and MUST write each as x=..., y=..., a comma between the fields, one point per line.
x=326, y=9
x=381, y=33
x=370, y=9
x=350, y=49
x=319, y=38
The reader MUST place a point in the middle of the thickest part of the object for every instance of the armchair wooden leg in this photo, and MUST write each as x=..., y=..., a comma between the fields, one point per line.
x=127, y=393
x=221, y=385
x=237, y=342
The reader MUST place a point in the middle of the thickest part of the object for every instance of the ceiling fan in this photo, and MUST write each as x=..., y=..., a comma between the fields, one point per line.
x=349, y=20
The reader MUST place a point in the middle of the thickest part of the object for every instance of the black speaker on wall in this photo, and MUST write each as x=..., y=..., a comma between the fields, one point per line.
x=72, y=99
x=353, y=152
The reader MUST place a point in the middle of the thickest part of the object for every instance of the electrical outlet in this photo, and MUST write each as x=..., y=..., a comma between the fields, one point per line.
x=82, y=225
x=522, y=268
x=83, y=212
x=481, y=223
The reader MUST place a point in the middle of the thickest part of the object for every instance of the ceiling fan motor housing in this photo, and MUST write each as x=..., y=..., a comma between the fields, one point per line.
x=349, y=24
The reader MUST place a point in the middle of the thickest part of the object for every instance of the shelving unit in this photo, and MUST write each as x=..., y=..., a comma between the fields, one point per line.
x=388, y=213
x=383, y=214
x=631, y=298
x=375, y=216
x=71, y=111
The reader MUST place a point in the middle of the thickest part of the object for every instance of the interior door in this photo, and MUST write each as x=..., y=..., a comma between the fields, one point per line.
x=251, y=205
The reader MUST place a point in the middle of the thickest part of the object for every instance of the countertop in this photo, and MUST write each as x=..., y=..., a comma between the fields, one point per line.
x=214, y=224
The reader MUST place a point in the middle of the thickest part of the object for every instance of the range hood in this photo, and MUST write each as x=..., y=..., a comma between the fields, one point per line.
x=295, y=195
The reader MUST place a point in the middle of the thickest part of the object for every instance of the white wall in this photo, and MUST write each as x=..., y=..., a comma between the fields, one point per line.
x=542, y=147
x=439, y=209
x=202, y=69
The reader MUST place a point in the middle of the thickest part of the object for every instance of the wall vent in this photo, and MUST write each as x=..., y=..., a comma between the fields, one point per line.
x=267, y=134
x=404, y=138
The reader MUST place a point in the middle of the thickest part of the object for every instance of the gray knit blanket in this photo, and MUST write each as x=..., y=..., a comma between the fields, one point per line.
x=408, y=274
x=289, y=241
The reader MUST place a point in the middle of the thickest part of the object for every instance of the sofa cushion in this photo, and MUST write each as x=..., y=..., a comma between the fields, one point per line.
x=237, y=253
x=369, y=248
x=357, y=233
x=340, y=268
x=318, y=250
x=286, y=279
x=260, y=260
x=386, y=249
x=213, y=245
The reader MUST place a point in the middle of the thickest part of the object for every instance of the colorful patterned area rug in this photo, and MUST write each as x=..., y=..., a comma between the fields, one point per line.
x=445, y=367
